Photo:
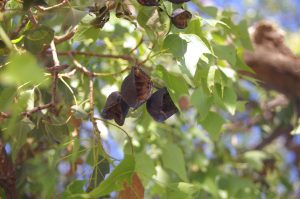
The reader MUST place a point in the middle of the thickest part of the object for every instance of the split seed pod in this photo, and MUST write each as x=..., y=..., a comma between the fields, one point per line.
x=115, y=108
x=160, y=105
x=148, y=2
x=180, y=18
x=179, y=1
x=136, y=87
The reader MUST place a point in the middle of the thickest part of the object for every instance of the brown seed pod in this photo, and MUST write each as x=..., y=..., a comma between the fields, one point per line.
x=136, y=87
x=179, y=1
x=149, y=2
x=115, y=108
x=122, y=10
x=180, y=18
x=160, y=105
x=102, y=16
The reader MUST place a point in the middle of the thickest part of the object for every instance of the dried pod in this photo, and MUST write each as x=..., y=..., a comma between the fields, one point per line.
x=115, y=108
x=180, y=18
x=102, y=16
x=122, y=10
x=179, y=1
x=160, y=105
x=136, y=87
x=149, y=2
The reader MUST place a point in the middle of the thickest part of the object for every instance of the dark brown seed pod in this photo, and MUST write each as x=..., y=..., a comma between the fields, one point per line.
x=136, y=87
x=102, y=16
x=160, y=105
x=149, y=2
x=179, y=1
x=115, y=108
x=180, y=18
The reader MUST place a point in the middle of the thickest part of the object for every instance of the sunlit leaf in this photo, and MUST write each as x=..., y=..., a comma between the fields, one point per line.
x=23, y=69
x=173, y=159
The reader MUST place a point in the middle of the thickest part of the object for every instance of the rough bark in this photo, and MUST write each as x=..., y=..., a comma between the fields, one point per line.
x=7, y=174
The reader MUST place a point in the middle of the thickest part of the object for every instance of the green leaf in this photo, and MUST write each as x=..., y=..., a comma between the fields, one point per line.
x=233, y=184
x=210, y=10
x=175, y=45
x=211, y=78
x=188, y=188
x=194, y=27
x=144, y=167
x=36, y=38
x=255, y=159
x=73, y=189
x=190, y=58
x=213, y=124
x=202, y=102
x=114, y=182
x=243, y=33
x=85, y=30
x=57, y=132
x=226, y=52
x=99, y=172
x=230, y=100
x=23, y=69
x=172, y=158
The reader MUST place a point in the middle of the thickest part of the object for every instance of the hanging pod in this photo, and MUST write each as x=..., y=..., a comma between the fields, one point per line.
x=149, y=2
x=115, y=108
x=180, y=18
x=136, y=87
x=160, y=105
x=179, y=1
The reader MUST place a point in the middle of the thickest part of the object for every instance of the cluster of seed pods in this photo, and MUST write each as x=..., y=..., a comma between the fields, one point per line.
x=136, y=89
x=179, y=17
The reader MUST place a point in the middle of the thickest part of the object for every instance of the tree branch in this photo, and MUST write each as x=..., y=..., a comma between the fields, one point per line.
x=65, y=37
x=274, y=135
x=44, y=9
x=7, y=174
x=90, y=54
x=55, y=74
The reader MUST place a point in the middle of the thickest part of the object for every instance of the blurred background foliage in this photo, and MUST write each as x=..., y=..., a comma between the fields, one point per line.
x=207, y=150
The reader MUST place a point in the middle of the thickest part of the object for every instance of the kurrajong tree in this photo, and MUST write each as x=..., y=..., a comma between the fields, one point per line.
x=163, y=82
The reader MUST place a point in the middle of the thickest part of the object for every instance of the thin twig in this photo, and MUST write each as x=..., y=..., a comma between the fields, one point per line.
x=44, y=9
x=65, y=37
x=138, y=45
x=91, y=54
x=36, y=109
x=28, y=112
x=55, y=74
x=88, y=73
x=83, y=69
x=58, y=68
